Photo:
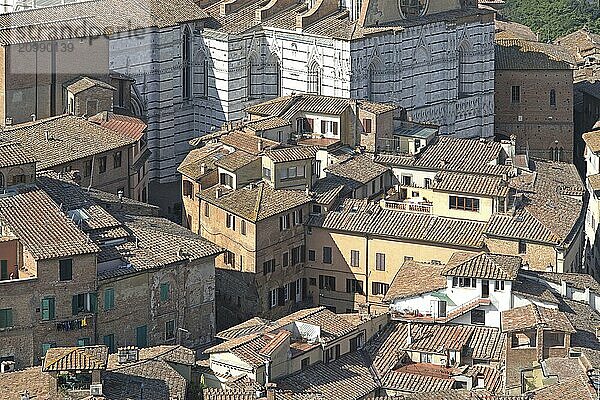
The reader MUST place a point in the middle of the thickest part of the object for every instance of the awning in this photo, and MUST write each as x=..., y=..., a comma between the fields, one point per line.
x=444, y=297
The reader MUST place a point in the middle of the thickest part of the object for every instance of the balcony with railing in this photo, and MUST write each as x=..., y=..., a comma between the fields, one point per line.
x=429, y=316
x=404, y=205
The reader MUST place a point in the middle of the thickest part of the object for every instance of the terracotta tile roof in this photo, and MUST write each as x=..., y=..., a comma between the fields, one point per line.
x=228, y=394
x=347, y=378
x=246, y=142
x=70, y=138
x=253, y=325
x=332, y=325
x=580, y=43
x=479, y=184
x=533, y=289
x=447, y=153
x=126, y=125
x=160, y=242
x=12, y=154
x=359, y=216
x=594, y=181
x=44, y=230
x=533, y=316
x=151, y=377
x=246, y=348
x=277, y=339
x=236, y=160
x=452, y=394
x=295, y=153
x=375, y=108
x=508, y=29
x=256, y=202
x=107, y=16
x=76, y=203
x=191, y=166
x=575, y=280
x=415, y=381
x=564, y=367
x=360, y=168
x=271, y=122
x=592, y=140
x=486, y=266
x=75, y=358
x=415, y=278
x=82, y=83
x=586, y=320
x=519, y=54
x=330, y=189
x=550, y=207
x=573, y=388
x=32, y=380
x=387, y=349
x=492, y=377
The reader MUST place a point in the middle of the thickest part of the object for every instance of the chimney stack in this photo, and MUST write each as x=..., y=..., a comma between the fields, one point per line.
x=271, y=390
x=218, y=193
x=409, y=335
x=260, y=145
x=202, y=168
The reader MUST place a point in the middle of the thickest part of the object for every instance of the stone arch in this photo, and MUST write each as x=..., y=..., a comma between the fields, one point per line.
x=273, y=75
x=375, y=80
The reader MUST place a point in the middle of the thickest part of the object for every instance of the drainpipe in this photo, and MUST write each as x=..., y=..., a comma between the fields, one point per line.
x=367, y=271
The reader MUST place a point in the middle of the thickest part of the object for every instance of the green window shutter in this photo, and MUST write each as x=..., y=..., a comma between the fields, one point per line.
x=74, y=305
x=51, y=312
x=93, y=302
x=6, y=319
x=164, y=291
x=141, y=338
x=109, y=299
x=3, y=269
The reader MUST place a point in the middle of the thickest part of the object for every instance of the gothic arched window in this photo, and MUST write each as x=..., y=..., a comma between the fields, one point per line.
x=314, y=78
x=187, y=62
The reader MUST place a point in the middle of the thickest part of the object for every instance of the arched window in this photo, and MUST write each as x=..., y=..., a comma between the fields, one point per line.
x=552, y=97
x=273, y=76
x=201, y=74
x=314, y=78
x=187, y=62
x=419, y=71
x=413, y=8
x=253, y=78
x=2, y=184
x=376, y=83
x=464, y=81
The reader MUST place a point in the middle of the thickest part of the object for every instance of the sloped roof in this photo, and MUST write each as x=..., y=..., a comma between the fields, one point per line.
x=191, y=166
x=82, y=83
x=295, y=153
x=256, y=202
x=359, y=216
x=486, y=266
x=415, y=278
x=235, y=160
x=533, y=316
x=360, y=168
x=520, y=54
x=447, y=153
x=124, y=124
x=592, y=140
x=81, y=19
x=70, y=138
x=44, y=230
x=12, y=154
x=75, y=358
x=347, y=378
x=472, y=183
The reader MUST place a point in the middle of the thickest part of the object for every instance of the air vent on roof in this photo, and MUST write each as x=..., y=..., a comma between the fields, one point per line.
x=8, y=121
